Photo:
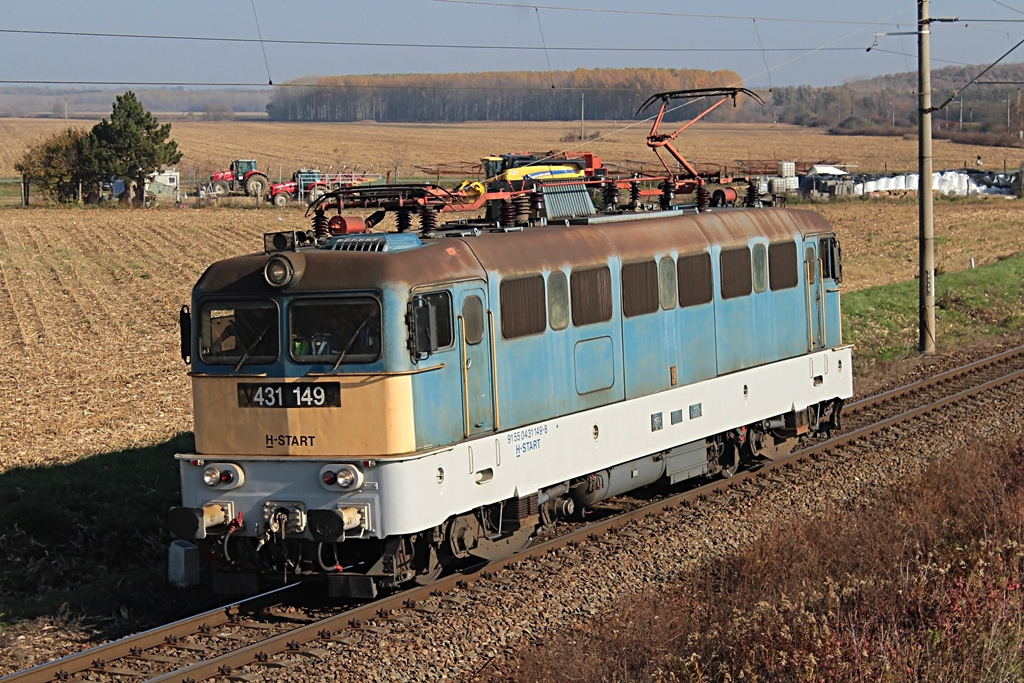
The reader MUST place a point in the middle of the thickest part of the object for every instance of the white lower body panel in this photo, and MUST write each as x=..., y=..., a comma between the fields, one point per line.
x=408, y=495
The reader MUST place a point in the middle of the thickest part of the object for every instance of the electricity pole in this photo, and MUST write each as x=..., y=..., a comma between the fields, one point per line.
x=926, y=241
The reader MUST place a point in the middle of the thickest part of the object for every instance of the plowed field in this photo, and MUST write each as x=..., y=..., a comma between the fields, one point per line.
x=89, y=300
x=280, y=148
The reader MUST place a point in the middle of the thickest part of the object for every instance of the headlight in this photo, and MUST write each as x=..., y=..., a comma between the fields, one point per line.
x=347, y=477
x=226, y=475
x=211, y=476
x=278, y=271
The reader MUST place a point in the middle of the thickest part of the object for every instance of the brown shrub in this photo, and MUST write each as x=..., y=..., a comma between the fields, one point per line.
x=923, y=585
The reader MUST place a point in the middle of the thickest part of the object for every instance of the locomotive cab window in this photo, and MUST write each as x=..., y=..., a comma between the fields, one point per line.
x=782, y=271
x=441, y=302
x=332, y=330
x=759, y=262
x=236, y=332
x=828, y=248
x=694, y=273
x=812, y=265
x=639, y=288
x=591, y=290
x=736, y=272
x=522, y=306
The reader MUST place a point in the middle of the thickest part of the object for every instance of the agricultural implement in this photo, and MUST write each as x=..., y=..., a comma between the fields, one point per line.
x=512, y=196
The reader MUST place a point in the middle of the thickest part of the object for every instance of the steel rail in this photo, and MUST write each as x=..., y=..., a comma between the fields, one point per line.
x=64, y=667
x=940, y=378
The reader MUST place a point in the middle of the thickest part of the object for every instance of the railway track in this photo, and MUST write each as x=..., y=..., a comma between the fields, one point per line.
x=269, y=634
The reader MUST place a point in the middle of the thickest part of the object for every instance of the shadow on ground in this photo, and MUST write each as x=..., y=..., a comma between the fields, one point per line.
x=86, y=540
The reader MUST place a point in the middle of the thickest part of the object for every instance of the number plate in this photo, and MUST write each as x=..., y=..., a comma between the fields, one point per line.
x=289, y=395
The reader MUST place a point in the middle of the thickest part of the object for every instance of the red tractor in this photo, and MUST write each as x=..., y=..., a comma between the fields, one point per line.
x=242, y=178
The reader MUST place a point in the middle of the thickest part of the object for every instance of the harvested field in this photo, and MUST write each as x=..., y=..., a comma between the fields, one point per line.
x=280, y=148
x=89, y=301
x=879, y=237
x=89, y=304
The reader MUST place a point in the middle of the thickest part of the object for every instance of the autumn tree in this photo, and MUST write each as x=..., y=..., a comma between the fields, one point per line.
x=130, y=146
x=54, y=164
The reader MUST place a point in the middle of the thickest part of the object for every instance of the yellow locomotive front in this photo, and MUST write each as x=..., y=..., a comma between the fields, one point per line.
x=324, y=347
x=305, y=360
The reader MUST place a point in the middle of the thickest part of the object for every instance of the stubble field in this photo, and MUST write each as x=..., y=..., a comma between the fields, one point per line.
x=280, y=148
x=89, y=298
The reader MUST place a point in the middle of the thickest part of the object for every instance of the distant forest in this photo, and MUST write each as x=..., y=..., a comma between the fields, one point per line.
x=989, y=112
x=993, y=106
x=597, y=94
x=886, y=105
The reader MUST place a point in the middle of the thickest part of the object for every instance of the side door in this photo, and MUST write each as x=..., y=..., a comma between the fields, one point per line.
x=815, y=295
x=474, y=335
x=830, y=258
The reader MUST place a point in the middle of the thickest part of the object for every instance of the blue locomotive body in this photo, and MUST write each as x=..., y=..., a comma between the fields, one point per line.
x=377, y=408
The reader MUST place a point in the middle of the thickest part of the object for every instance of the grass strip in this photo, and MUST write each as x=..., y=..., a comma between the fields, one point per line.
x=970, y=305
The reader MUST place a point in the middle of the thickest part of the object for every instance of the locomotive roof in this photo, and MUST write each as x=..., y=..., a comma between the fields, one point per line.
x=435, y=261
x=449, y=259
x=595, y=243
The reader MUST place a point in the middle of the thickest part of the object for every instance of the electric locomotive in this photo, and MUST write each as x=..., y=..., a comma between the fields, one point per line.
x=375, y=408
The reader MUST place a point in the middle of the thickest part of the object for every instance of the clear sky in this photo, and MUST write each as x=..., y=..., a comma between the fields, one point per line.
x=767, y=42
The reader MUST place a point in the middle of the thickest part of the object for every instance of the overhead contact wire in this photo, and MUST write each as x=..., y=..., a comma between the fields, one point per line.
x=270, y=81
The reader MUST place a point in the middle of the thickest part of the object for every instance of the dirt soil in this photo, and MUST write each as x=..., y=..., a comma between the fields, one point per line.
x=281, y=148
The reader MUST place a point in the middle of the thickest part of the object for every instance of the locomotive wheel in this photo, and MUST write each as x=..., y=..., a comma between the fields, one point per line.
x=281, y=199
x=221, y=188
x=256, y=185
x=432, y=571
x=462, y=534
x=729, y=460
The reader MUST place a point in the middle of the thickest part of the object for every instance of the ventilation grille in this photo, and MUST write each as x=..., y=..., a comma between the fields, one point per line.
x=378, y=242
x=374, y=243
x=567, y=201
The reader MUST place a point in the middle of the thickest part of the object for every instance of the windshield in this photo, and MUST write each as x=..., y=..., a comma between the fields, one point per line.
x=493, y=167
x=333, y=330
x=231, y=331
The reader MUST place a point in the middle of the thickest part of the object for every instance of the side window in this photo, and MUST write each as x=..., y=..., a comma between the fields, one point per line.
x=736, y=272
x=759, y=262
x=829, y=251
x=442, y=302
x=782, y=271
x=473, y=319
x=667, y=288
x=695, y=285
x=812, y=265
x=558, y=300
x=639, y=288
x=522, y=306
x=591, y=295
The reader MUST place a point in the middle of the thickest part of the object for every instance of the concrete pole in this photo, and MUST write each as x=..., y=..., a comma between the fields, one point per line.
x=926, y=243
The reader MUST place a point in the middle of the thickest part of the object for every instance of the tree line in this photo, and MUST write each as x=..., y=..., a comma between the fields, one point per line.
x=606, y=94
x=889, y=104
x=129, y=146
x=882, y=105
